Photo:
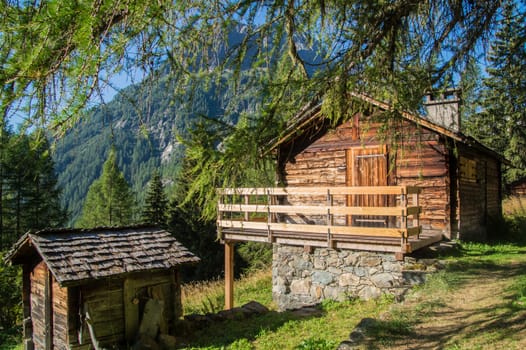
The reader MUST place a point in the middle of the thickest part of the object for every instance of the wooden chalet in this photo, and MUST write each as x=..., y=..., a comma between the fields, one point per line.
x=369, y=183
x=90, y=288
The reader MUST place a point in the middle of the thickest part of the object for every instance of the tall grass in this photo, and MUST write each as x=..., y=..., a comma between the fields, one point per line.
x=512, y=228
x=209, y=296
x=514, y=207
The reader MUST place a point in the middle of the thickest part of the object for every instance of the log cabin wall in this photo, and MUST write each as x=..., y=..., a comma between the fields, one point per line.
x=423, y=159
x=60, y=316
x=479, y=190
x=48, y=310
x=418, y=157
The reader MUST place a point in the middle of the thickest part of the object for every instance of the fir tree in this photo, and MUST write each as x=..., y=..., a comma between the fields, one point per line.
x=30, y=197
x=502, y=122
x=155, y=206
x=109, y=201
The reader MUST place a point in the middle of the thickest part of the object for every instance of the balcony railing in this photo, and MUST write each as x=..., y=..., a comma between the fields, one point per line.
x=330, y=214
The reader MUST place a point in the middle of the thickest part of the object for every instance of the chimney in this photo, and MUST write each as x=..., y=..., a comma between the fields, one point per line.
x=443, y=108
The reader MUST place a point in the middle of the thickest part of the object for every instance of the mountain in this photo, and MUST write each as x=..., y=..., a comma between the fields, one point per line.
x=142, y=122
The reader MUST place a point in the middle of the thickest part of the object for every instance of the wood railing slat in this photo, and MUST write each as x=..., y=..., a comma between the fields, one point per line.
x=318, y=210
x=322, y=229
x=269, y=212
x=288, y=191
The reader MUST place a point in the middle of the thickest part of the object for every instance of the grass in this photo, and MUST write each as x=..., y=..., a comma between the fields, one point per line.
x=288, y=330
x=478, y=302
x=209, y=296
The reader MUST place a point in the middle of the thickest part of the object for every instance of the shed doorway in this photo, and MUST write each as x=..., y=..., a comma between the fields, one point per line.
x=367, y=166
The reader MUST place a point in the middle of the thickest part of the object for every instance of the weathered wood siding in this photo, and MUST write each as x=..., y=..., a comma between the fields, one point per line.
x=60, y=316
x=417, y=157
x=162, y=286
x=48, y=309
x=422, y=159
x=479, y=191
x=105, y=302
x=38, y=308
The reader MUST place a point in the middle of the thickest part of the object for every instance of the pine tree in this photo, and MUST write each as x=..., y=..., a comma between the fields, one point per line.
x=42, y=206
x=110, y=201
x=30, y=198
x=156, y=204
x=502, y=122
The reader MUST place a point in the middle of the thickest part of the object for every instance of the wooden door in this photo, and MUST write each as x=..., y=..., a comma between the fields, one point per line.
x=367, y=166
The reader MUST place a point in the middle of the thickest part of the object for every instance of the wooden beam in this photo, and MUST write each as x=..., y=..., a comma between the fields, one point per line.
x=318, y=209
x=306, y=228
x=229, y=275
x=307, y=190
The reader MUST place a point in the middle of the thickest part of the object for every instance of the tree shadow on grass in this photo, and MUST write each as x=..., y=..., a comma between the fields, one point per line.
x=222, y=333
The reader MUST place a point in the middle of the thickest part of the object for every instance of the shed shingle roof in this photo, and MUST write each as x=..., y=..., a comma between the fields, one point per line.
x=77, y=255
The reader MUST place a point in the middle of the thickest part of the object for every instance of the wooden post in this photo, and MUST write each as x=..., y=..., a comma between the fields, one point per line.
x=270, y=216
x=247, y=201
x=329, y=219
x=416, y=218
x=399, y=256
x=221, y=200
x=229, y=275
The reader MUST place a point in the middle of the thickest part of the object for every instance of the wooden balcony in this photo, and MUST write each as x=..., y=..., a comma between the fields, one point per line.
x=380, y=218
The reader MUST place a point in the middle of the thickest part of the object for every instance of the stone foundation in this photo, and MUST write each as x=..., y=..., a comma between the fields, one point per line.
x=301, y=277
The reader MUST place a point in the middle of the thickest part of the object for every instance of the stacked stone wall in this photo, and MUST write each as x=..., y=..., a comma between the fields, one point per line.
x=304, y=277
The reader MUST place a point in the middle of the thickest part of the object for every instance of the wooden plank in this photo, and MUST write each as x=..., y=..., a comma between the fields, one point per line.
x=370, y=247
x=247, y=237
x=315, y=190
x=318, y=210
x=302, y=242
x=229, y=275
x=425, y=241
x=298, y=228
x=242, y=224
x=131, y=311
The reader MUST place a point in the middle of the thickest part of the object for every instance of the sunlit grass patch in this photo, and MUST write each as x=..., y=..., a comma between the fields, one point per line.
x=518, y=288
x=209, y=296
x=514, y=206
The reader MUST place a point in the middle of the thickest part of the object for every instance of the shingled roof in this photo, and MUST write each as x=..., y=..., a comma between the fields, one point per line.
x=76, y=255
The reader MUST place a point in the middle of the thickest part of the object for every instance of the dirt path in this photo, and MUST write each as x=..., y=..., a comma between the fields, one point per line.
x=476, y=314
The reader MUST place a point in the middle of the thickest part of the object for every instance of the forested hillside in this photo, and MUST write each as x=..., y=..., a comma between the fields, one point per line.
x=143, y=123
x=146, y=121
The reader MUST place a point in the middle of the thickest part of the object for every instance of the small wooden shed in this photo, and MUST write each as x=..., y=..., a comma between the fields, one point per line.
x=91, y=288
